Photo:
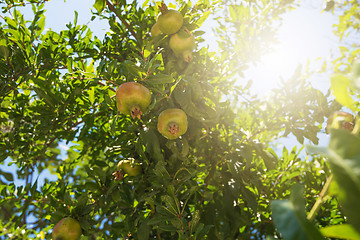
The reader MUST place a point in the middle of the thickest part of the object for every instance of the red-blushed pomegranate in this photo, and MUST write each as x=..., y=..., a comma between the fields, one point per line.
x=129, y=167
x=67, y=229
x=172, y=123
x=169, y=21
x=183, y=43
x=155, y=30
x=132, y=99
x=340, y=120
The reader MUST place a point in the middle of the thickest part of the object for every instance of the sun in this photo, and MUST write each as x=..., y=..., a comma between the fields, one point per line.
x=281, y=62
x=300, y=41
x=277, y=65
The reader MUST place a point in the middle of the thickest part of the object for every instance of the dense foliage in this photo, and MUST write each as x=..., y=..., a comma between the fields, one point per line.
x=219, y=180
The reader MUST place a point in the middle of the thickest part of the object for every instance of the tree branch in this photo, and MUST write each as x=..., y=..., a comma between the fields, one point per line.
x=127, y=25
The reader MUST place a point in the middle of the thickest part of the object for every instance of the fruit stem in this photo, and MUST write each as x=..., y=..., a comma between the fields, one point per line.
x=173, y=128
x=319, y=201
x=135, y=112
x=163, y=8
x=187, y=31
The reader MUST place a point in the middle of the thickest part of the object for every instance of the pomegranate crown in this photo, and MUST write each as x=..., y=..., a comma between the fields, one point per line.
x=163, y=8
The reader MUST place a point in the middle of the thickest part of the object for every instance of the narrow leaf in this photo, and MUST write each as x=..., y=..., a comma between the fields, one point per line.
x=99, y=5
x=340, y=88
x=344, y=231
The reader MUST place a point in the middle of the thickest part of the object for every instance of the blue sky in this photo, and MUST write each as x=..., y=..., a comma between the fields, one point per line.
x=306, y=34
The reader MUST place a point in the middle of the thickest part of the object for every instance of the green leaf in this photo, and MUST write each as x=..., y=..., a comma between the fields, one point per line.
x=171, y=204
x=194, y=221
x=92, y=186
x=143, y=231
x=8, y=176
x=99, y=5
x=355, y=75
x=340, y=88
x=158, y=219
x=168, y=228
x=290, y=218
x=48, y=97
x=233, y=14
x=160, y=79
x=92, y=95
x=152, y=144
x=184, y=99
x=344, y=231
x=203, y=17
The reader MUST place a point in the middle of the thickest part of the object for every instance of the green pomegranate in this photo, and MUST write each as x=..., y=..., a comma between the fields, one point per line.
x=155, y=30
x=172, y=123
x=183, y=43
x=132, y=99
x=340, y=120
x=170, y=20
x=129, y=167
x=67, y=229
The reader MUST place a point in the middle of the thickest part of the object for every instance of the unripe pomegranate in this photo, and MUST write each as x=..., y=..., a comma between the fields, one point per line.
x=132, y=98
x=68, y=228
x=129, y=167
x=172, y=123
x=170, y=20
x=155, y=30
x=183, y=43
x=340, y=120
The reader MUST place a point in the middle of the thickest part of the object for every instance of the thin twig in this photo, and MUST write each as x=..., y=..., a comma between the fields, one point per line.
x=319, y=201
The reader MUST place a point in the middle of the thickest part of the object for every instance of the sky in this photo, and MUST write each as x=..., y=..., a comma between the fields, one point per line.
x=306, y=34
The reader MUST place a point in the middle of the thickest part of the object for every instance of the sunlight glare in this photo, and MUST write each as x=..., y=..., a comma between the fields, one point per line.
x=281, y=62
x=300, y=39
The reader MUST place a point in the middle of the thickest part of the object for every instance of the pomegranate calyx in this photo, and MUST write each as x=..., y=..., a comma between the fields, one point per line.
x=135, y=112
x=163, y=8
x=187, y=56
x=118, y=175
x=173, y=128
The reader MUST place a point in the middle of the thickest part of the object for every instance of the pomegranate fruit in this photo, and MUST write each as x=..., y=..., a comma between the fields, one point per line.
x=67, y=229
x=172, y=123
x=132, y=98
x=155, y=30
x=340, y=120
x=170, y=20
x=129, y=167
x=183, y=43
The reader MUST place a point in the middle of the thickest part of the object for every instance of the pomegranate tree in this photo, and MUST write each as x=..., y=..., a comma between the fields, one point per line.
x=67, y=229
x=172, y=123
x=170, y=20
x=183, y=43
x=132, y=99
